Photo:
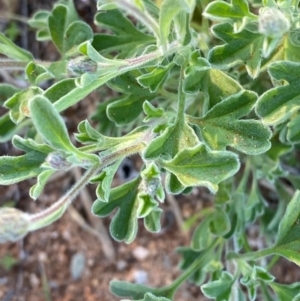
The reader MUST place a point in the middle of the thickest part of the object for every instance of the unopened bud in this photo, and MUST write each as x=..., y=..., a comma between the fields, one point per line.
x=81, y=65
x=57, y=160
x=273, y=23
x=14, y=224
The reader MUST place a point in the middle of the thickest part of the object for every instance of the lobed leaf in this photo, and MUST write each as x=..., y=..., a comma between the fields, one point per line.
x=19, y=103
x=174, y=139
x=168, y=11
x=127, y=39
x=215, y=84
x=134, y=201
x=220, y=290
x=276, y=105
x=222, y=11
x=240, y=48
x=221, y=126
x=285, y=291
x=200, y=167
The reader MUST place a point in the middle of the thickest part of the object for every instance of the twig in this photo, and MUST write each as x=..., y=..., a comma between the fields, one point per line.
x=177, y=212
x=97, y=228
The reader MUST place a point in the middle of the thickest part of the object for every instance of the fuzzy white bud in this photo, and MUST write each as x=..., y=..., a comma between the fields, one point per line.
x=57, y=160
x=273, y=23
x=81, y=65
x=14, y=224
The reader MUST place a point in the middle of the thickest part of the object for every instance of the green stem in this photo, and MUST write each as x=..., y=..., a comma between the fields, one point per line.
x=124, y=152
x=181, y=98
x=252, y=255
x=199, y=262
x=243, y=183
x=134, y=63
x=7, y=64
x=54, y=212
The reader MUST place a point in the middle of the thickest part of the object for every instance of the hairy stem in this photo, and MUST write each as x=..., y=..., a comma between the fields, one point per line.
x=54, y=212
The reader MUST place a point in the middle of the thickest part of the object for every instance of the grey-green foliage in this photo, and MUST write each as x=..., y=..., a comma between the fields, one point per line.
x=202, y=104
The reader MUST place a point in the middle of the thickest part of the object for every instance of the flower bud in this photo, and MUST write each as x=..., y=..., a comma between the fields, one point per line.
x=81, y=64
x=273, y=23
x=14, y=224
x=57, y=160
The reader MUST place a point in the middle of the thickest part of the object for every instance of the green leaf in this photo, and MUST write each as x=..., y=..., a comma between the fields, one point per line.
x=222, y=11
x=19, y=103
x=220, y=223
x=42, y=179
x=125, y=109
x=77, y=33
x=152, y=220
x=221, y=126
x=8, y=128
x=237, y=12
x=174, y=139
x=215, y=84
x=124, y=224
x=105, y=178
x=151, y=297
x=285, y=292
x=127, y=39
x=59, y=21
x=88, y=135
x=135, y=200
x=202, y=236
x=155, y=78
x=276, y=105
x=220, y=290
x=60, y=89
x=152, y=112
x=126, y=289
x=293, y=134
x=168, y=11
x=28, y=145
x=11, y=50
x=36, y=73
x=16, y=169
x=7, y=91
x=200, y=167
x=50, y=124
x=39, y=20
x=288, y=238
x=243, y=47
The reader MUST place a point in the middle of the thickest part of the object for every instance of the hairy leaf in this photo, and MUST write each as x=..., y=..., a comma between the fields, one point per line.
x=11, y=50
x=276, y=105
x=127, y=39
x=240, y=48
x=221, y=126
x=220, y=290
x=200, y=167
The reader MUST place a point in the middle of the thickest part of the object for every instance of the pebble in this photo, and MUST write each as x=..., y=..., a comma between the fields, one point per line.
x=77, y=265
x=140, y=277
x=140, y=253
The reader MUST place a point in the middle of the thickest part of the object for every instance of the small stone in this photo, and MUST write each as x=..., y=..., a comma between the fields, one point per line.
x=140, y=277
x=140, y=253
x=121, y=265
x=77, y=265
x=34, y=280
